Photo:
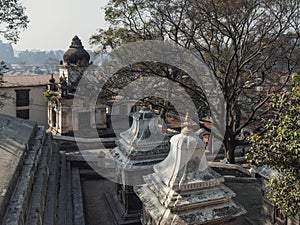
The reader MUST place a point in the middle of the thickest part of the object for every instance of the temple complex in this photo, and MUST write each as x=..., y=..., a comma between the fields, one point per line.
x=185, y=190
x=150, y=176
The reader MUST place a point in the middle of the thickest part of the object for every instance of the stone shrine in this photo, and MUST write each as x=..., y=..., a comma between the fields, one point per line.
x=184, y=189
x=143, y=145
x=61, y=107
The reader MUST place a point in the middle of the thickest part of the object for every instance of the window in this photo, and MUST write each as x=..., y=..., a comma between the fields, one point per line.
x=22, y=97
x=23, y=114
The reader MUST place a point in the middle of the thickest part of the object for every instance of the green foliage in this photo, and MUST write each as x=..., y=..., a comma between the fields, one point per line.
x=50, y=96
x=12, y=19
x=3, y=69
x=279, y=149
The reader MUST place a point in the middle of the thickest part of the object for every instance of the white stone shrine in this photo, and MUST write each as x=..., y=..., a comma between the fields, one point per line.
x=185, y=190
x=139, y=148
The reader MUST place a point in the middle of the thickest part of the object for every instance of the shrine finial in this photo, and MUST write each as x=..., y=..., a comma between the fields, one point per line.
x=187, y=125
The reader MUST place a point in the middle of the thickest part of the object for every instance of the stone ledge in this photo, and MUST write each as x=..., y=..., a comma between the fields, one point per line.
x=16, y=137
x=50, y=211
x=19, y=202
x=230, y=169
x=77, y=198
x=240, y=179
x=37, y=201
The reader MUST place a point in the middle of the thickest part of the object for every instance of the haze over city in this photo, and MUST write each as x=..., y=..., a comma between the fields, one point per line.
x=54, y=23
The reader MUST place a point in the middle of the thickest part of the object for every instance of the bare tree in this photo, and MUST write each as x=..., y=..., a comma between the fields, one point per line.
x=250, y=46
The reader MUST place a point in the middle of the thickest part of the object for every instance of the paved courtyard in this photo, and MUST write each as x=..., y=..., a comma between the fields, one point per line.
x=98, y=213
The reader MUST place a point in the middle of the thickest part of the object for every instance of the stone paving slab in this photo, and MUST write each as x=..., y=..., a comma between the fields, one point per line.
x=250, y=197
x=96, y=210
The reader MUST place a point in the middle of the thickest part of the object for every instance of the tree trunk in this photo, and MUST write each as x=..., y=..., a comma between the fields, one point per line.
x=229, y=144
x=230, y=155
x=163, y=114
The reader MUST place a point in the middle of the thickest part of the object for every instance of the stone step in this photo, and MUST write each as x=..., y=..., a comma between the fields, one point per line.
x=69, y=201
x=37, y=202
x=62, y=191
x=65, y=209
x=19, y=203
x=77, y=198
x=49, y=217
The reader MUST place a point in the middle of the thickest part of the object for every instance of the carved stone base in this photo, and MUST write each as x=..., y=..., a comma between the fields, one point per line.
x=121, y=215
x=201, y=200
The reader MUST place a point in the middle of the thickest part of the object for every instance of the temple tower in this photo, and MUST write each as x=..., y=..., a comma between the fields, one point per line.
x=76, y=61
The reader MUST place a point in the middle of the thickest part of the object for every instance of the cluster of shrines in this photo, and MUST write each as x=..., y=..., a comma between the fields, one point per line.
x=171, y=178
x=167, y=181
x=160, y=179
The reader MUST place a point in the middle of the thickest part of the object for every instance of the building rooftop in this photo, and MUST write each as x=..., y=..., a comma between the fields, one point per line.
x=28, y=80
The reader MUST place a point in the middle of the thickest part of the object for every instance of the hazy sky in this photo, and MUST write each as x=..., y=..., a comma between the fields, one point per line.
x=53, y=23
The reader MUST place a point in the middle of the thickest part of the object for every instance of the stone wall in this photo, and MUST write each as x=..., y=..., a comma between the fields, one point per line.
x=28, y=191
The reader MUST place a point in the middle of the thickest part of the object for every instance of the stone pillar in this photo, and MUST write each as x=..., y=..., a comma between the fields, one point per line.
x=60, y=119
x=75, y=120
x=100, y=116
x=93, y=118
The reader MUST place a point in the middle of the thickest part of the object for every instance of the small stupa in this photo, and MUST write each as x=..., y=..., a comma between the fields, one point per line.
x=184, y=190
x=139, y=148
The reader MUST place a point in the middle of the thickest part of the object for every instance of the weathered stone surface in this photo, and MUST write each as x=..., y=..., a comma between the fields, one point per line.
x=62, y=192
x=19, y=207
x=50, y=211
x=139, y=148
x=230, y=169
x=28, y=194
x=185, y=190
x=16, y=135
x=77, y=198
x=39, y=189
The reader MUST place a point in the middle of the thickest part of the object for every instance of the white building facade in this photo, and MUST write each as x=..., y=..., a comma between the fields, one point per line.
x=26, y=97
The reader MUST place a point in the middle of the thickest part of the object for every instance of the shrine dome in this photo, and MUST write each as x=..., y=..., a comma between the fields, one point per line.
x=76, y=54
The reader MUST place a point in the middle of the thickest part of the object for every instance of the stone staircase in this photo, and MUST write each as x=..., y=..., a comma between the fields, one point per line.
x=35, y=196
x=70, y=202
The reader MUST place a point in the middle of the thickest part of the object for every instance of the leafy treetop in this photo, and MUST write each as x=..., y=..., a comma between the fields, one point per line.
x=12, y=19
x=279, y=149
